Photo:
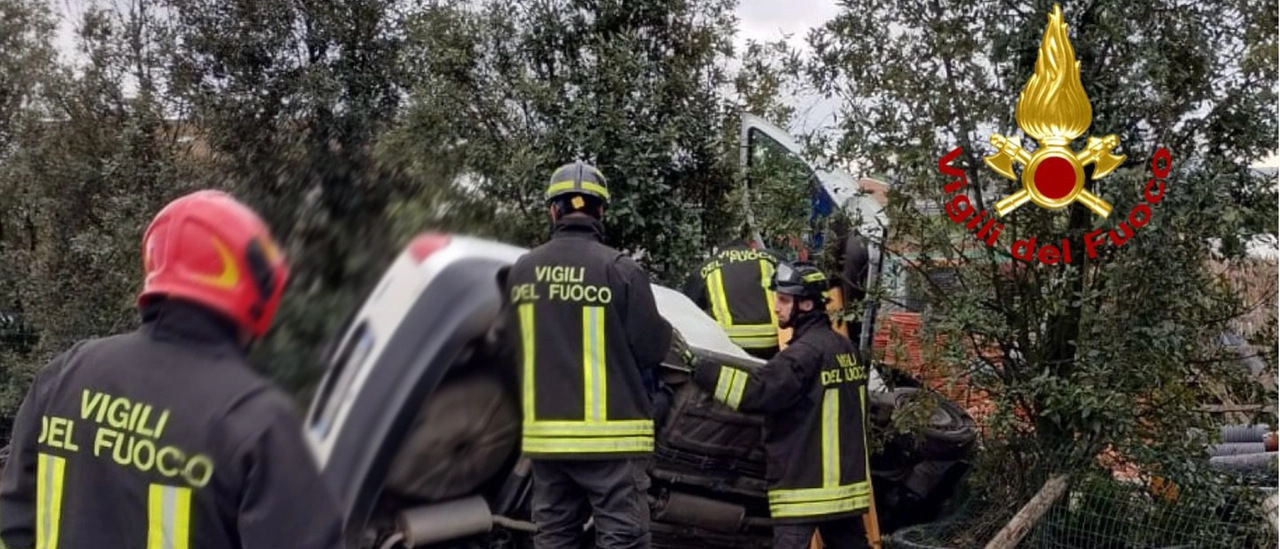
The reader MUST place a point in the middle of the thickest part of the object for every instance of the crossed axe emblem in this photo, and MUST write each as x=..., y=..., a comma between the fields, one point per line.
x=1054, y=109
x=1053, y=176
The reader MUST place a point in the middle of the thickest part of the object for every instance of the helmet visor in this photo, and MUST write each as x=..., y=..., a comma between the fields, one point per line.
x=785, y=275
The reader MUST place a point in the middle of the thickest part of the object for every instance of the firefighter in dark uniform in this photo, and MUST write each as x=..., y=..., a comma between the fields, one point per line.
x=164, y=438
x=813, y=398
x=733, y=287
x=592, y=339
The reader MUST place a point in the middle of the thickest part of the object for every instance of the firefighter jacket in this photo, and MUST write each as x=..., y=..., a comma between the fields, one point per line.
x=813, y=398
x=162, y=438
x=733, y=286
x=591, y=336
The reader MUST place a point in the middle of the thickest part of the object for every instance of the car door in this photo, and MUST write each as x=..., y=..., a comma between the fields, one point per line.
x=791, y=203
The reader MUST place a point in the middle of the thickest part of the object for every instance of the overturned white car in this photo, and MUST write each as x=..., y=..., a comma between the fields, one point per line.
x=416, y=424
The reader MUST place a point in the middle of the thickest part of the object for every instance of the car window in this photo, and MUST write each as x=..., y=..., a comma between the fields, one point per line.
x=782, y=179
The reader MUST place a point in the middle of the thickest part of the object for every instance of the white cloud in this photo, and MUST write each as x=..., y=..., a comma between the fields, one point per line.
x=771, y=19
x=767, y=20
x=69, y=14
x=1272, y=162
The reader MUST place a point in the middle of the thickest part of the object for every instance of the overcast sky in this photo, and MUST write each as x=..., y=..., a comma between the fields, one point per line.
x=768, y=19
x=765, y=20
x=760, y=19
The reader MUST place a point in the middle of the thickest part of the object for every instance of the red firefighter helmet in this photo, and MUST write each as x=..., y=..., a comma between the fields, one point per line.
x=208, y=248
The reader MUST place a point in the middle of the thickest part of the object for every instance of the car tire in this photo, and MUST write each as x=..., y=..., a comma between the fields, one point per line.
x=463, y=435
x=949, y=435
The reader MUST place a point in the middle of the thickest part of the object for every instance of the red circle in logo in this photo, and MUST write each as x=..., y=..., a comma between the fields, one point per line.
x=1055, y=177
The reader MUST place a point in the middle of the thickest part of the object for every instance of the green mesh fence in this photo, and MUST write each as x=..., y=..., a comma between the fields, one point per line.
x=1103, y=509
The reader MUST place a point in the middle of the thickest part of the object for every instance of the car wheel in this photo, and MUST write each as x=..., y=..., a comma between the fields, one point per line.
x=464, y=434
x=948, y=435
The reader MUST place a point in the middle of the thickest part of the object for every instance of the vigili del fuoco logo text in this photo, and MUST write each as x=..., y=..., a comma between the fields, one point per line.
x=1053, y=109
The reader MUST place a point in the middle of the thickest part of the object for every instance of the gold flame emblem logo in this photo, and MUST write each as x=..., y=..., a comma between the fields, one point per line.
x=1054, y=109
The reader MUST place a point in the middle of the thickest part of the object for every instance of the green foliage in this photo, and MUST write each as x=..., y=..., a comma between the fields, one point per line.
x=25, y=59
x=1107, y=351
x=780, y=182
x=293, y=104
x=506, y=91
x=350, y=126
x=781, y=185
x=1098, y=510
x=86, y=169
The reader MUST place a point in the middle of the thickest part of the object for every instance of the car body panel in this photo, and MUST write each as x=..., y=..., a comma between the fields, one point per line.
x=357, y=419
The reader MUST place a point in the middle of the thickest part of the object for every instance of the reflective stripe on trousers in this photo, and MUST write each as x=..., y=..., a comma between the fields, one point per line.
x=168, y=517
x=595, y=433
x=50, y=472
x=832, y=497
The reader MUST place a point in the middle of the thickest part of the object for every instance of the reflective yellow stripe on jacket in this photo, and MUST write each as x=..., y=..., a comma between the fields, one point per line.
x=50, y=472
x=747, y=336
x=766, y=280
x=729, y=386
x=168, y=517
x=595, y=433
x=753, y=336
x=832, y=497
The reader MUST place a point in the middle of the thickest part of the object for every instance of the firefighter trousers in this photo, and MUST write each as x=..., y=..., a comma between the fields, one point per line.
x=845, y=533
x=566, y=492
